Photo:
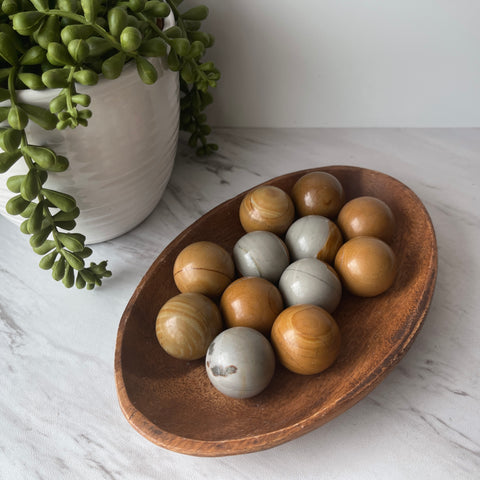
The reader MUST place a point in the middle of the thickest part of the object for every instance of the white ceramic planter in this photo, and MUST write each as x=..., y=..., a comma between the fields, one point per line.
x=121, y=163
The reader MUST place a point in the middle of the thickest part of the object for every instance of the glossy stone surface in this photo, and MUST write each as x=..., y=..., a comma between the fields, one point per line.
x=306, y=339
x=251, y=302
x=240, y=362
x=366, y=216
x=311, y=281
x=203, y=267
x=187, y=324
x=366, y=266
x=267, y=208
x=313, y=236
x=261, y=254
x=318, y=193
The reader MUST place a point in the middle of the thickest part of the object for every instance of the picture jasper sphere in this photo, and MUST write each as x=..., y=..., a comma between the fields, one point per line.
x=318, y=193
x=366, y=216
x=267, y=208
x=313, y=236
x=187, y=324
x=311, y=281
x=240, y=362
x=251, y=302
x=203, y=267
x=366, y=265
x=261, y=254
x=306, y=339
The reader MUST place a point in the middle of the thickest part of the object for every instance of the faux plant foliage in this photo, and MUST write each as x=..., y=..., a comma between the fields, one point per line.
x=64, y=44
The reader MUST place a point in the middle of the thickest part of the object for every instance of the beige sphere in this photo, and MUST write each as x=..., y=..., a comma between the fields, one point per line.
x=267, y=208
x=366, y=216
x=203, y=267
x=251, y=302
x=318, y=193
x=187, y=324
x=306, y=339
x=366, y=265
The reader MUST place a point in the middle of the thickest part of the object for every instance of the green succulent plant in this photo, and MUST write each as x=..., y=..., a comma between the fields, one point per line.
x=64, y=44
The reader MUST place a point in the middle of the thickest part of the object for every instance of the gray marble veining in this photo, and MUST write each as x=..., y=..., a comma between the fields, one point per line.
x=59, y=415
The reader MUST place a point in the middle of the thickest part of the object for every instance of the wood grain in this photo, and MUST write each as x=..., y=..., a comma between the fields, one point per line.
x=172, y=402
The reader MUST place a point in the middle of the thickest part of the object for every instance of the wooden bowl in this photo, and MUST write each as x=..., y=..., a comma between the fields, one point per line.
x=172, y=403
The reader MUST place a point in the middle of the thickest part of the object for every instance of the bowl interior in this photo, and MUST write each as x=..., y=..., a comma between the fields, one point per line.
x=172, y=402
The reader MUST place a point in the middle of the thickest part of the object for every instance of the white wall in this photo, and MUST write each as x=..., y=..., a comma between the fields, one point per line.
x=315, y=63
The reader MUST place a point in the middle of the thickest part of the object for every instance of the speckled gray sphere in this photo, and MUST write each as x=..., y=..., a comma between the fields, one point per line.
x=311, y=281
x=261, y=254
x=313, y=236
x=240, y=362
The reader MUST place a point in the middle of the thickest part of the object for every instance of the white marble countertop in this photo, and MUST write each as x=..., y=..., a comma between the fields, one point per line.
x=59, y=414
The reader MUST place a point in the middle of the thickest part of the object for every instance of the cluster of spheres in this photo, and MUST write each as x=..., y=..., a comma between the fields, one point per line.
x=274, y=296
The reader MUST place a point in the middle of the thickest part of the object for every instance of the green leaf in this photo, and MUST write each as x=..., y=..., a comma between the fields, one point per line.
x=112, y=67
x=146, y=71
x=41, y=116
x=7, y=50
x=10, y=139
x=58, y=103
x=49, y=32
x=27, y=213
x=155, y=47
x=90, y=9
x=181, y=46
x=73, y=260
x=40, y=4
x=60, y=165
x=157, y=9
x=63, y=201
x=17, y=117
x=117, y=20
x=67, y=224
x=78, y=49
x=45, y=157
x=75, y=242
x=81, y=99
x=26, y=23
x=199, y=12
x=30, y=185
x=173, y=61
x=14, y=182
x=69, y=277
x=16, y=205
x=58, y=269
x=57, y=54
x=33, y=56
x=7, y=159
x=173, y=32
x=65, y=216
x=98, y=46
x=80, y=282
x=130, y=39
x=31, y=80
x=36, y=219
x=56, y=77
x=71, y=32
x=45, y=247
x=136, y=5
x=46, y=263
x=86, y=77
x=9, y=7
x=38, y=239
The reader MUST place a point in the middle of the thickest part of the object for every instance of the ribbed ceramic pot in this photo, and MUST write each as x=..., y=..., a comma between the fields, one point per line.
x=121, y=162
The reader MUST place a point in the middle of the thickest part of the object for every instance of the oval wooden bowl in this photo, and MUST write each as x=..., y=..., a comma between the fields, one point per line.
x=172, y=403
